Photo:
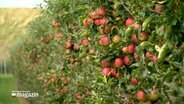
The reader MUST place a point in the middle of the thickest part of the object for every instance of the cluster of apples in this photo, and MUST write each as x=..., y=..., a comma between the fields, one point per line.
x=97, y=17
x=127, y=50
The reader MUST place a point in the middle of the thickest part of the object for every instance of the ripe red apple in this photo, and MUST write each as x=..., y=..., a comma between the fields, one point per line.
x=141, y=96
x=134, y=81
x=134, y=38
x=105, y=63
x=125, y=50
x=159, y=8
x=154, y=58
x=68, y=44
x=149, y=54
x=76, y=47
x=118, y=62
x=129, y=21
x=105, y=40
x=131, y=48
x=116, y=39
x=85, y=41
x=143, y=36
x=127, y=60
x=106, y=71
x=104, y=21
x=59, y=35
x=101, y=11
x=97, y=22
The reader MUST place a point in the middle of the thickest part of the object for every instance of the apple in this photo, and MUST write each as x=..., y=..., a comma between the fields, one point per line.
x=136, y=56
x=154, y=96
x=85, y=41
x=118, y=62
x=129, y=21
x=141, y=96
x=59, y=35
x=127, y=60
x=76, y=47
x=105, y=63
x=131, y=48
x=97, y=22
x=103, y=21
x=105, y=40
x=134, y=81
x=125, y=50
x=68, y=44
x=134, y=38
x=148, y=54
x=106, y=71
x=56, y=23
x=159, y=8
x=101, y=11
x=116, y=39
x=143, y=36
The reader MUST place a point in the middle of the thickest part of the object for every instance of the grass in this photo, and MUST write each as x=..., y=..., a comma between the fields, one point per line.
x=13, y=22
x=7, y=84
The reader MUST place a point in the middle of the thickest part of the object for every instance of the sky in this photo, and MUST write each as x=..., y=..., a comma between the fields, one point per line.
x=20, y=3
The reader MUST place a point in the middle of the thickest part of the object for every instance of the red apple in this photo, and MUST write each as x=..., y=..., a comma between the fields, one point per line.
x=149, y=54
x=106, y=71
x=59, y=35
x=129, y=21
x=143, y=36
x=131, y=48
x=85, y=41
x=101, y=11
x=159, y=8
x=134, y=81
x=52, y=79
x=141, y=96
x=127, y=60
x=105, y=40
x=68, y=44
x=136, y=56
x=116, y=39
x=118, y=62
x=97, y=22
x=103, y=21
x=76, y=47
x=134, y=38
x=105, y=63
